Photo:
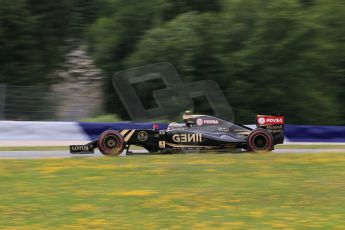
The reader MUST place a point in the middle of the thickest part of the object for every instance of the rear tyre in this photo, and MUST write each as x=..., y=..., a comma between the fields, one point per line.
x=260, y=140
x=111, y=142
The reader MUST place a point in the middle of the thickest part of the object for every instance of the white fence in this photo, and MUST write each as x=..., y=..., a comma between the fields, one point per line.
x=28, y=133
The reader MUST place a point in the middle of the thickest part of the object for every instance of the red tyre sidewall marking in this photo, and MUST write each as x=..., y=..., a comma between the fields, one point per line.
x=102, y=147
x=267, y=140
x=259, y=132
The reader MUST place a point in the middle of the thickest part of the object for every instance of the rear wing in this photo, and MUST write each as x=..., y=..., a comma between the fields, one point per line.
x=274, y=124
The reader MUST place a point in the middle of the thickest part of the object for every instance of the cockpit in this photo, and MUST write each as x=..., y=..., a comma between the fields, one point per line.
x=206, y=123
x=196, y=121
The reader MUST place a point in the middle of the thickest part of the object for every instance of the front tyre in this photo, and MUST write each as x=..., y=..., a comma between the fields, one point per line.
x=260, y=140
x=111, y=142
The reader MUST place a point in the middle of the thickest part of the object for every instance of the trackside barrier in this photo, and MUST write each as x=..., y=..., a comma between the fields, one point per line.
x=29, y=133
x=293, y=133
x=35, y=131
x=308, y=133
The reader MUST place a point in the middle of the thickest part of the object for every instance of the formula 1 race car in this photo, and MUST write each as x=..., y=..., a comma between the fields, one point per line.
x=198, y=132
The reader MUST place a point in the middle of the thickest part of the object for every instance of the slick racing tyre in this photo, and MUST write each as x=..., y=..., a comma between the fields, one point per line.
x=260, y=140
x=111, y=142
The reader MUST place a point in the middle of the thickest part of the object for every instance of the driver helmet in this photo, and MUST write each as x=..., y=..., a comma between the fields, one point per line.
x=188, y=118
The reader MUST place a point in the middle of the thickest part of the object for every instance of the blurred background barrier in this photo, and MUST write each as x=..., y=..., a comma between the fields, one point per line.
x=308, y=133
x=30, y=133
x=293, y=133
x=70, y=101
x=27, y=133
x=27, y=102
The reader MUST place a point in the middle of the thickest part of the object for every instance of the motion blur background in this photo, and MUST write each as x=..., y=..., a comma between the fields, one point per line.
x=57, y=58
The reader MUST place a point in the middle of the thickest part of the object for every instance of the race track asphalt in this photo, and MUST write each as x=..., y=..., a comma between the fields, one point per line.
x=66, y=154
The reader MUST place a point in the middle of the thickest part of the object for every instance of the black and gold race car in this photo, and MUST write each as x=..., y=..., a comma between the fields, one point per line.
x=198, y=132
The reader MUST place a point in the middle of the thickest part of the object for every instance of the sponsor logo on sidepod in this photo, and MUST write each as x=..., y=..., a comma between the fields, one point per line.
x=183, y=138
x=142, y=136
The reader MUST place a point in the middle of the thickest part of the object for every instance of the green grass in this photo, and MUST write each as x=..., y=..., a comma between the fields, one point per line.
x=207, y=191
